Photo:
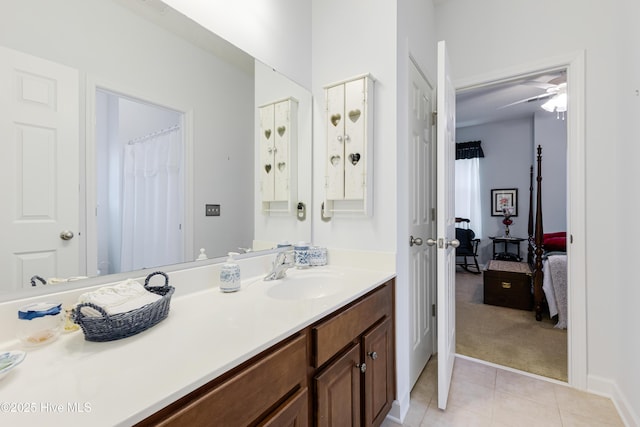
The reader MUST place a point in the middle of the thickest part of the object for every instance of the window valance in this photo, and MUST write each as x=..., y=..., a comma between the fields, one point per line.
x=468, y=150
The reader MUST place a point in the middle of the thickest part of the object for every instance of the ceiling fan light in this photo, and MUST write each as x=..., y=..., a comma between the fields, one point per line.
x=550, y=106
x=557, y=103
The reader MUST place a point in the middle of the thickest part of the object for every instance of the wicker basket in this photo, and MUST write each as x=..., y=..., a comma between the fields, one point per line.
x=111, y=327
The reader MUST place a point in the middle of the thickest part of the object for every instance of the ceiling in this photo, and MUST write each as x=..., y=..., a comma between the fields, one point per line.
x=489, y=103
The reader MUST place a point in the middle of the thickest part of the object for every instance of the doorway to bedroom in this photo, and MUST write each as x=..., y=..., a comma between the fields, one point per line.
x=507, y=121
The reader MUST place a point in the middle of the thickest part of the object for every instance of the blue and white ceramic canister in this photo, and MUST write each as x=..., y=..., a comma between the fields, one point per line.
x=301, y=254
x=230, y=275
x=317, y=256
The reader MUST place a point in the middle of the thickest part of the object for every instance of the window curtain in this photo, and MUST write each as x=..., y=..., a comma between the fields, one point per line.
x=468, y=200
x=152, y=202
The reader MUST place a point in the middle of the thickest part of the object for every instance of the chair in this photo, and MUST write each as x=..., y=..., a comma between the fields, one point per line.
x=468, y=246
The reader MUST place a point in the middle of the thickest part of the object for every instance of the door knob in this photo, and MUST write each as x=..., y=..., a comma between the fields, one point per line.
x=66, y=235
x=431, y=242
x=415, y=241
x=455, y=243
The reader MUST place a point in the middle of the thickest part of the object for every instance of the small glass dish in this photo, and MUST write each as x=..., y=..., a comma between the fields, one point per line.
x=9, y=360
x=39, y=323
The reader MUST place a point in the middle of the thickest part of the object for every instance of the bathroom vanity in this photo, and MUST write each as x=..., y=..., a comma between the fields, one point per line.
x=338, y=369
x=271, y=354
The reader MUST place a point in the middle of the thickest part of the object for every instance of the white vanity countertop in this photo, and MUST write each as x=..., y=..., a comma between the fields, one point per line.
x=76, y=382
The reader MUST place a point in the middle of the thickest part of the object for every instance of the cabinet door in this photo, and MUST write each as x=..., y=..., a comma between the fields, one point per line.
x=379, y=383
x=293, y=413
x=335, y=143
x=267, y=159
x=338, y=391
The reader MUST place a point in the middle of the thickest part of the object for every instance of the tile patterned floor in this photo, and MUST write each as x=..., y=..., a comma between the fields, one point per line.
x=483, y=395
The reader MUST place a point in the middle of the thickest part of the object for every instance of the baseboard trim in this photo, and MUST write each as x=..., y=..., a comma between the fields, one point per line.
x=607, y=388
x=399, y=410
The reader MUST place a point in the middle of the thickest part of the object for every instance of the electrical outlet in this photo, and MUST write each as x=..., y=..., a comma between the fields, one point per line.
x=212, y=210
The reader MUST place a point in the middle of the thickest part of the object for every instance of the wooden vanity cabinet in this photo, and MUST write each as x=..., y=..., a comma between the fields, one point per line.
x=268, y=390
x=356, y=384
x=338, y=371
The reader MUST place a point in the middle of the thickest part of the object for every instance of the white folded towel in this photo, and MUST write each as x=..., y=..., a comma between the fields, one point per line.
x=121, y=298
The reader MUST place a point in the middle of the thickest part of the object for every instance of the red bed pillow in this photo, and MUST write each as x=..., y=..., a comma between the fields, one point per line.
x=555, y=241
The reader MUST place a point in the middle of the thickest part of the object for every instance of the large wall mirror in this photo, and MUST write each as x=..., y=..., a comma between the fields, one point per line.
x=121, y=121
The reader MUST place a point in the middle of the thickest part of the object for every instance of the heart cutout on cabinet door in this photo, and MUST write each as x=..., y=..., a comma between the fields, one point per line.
x=335, y=119
x=354, y=158
x=281, y=130
x=267, y=168
x=267, y=133
x=281, y=166
x=354, y=115
x=335, y=160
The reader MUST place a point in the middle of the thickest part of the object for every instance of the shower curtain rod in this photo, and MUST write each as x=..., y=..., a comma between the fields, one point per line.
x=152, y=134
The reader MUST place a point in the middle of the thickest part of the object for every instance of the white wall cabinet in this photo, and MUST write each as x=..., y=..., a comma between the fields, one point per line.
x=349, y=165
x=278, y=155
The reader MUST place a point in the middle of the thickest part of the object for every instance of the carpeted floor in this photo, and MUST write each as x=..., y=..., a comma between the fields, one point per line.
x=506, y=336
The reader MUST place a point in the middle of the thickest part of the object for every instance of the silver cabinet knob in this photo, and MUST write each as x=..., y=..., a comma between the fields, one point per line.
x=415, y=241
x=373, y=355
x=362, y=366
x=66, y=235
x=431, y=242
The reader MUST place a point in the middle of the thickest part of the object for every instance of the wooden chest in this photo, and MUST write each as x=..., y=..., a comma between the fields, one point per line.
x=508, y=284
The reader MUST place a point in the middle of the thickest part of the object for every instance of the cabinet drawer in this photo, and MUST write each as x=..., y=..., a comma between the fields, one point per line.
x=331, y=336
x=247, y=396
x=508, y=289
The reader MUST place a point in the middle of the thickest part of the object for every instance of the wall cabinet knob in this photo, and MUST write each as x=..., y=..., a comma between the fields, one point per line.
x=373, y=355
x=362, y=366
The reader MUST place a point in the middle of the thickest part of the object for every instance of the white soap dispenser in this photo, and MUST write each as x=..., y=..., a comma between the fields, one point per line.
x=230, y=275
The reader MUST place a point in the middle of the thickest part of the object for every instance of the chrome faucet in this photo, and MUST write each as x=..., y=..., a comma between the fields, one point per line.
x=280, y=266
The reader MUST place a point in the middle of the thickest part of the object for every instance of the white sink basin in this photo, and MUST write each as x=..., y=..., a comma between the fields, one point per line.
x=304, y=285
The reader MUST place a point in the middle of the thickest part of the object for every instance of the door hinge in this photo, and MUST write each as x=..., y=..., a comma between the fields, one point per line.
x=433, y=214
x=434, y=118
x=433, y=310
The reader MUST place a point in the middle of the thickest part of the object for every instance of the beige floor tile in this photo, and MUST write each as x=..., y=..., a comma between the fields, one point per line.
x=416, y=413
x=530, y=388
x=516, y=411
x=454, y=417
x=574, y=420
x=388, y=423
x=474, y=372
x=587, y=405
x=471, y=397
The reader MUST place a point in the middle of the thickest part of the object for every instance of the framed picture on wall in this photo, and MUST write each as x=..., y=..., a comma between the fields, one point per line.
x=504, y=198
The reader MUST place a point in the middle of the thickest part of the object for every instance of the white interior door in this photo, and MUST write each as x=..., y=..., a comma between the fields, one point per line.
x=39, y=173
x=446, y=258
x=421, y=221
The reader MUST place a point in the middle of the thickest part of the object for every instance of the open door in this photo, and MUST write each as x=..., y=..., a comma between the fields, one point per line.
x=446, y=254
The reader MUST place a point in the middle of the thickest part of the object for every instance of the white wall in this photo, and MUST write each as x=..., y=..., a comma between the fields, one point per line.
x=360, y=39
x=499, y=35
x=625, y=284
x=277, y=32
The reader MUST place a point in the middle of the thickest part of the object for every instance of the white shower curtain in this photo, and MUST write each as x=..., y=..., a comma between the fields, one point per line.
x=152, y=202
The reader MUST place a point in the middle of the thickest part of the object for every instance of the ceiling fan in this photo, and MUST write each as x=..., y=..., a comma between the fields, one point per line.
x=555, y=91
